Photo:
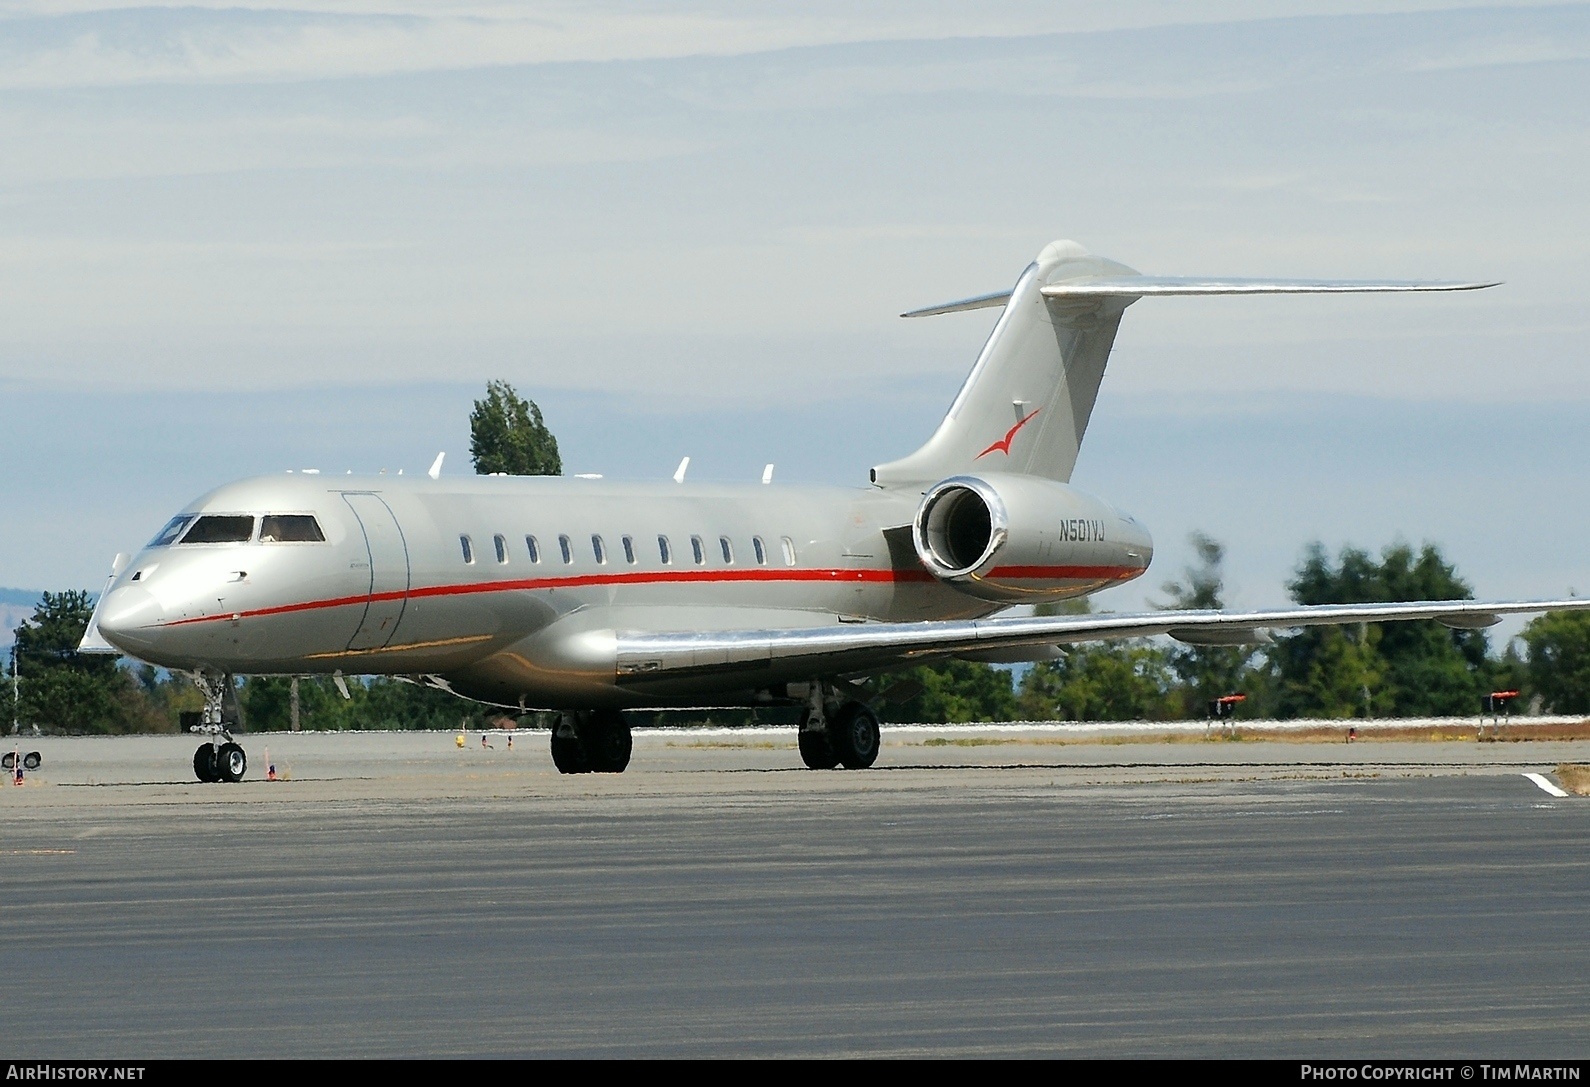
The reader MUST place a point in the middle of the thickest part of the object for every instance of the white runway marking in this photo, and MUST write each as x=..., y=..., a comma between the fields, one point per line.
x=1540, y=779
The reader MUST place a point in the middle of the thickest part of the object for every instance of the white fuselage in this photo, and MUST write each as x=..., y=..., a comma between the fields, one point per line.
x=437, y=578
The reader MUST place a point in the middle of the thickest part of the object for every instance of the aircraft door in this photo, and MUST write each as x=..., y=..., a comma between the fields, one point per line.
x=389, y=571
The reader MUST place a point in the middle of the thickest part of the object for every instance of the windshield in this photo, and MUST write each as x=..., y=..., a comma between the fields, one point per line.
x=172, y=530
x=220, y=529
x=290, y=528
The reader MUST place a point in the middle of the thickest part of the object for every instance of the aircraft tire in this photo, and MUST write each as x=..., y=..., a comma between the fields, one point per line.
x=231, y=763
x=816, y=750
x=608, y=742
x=205, y=766
x=853, y=733
x=568, y=753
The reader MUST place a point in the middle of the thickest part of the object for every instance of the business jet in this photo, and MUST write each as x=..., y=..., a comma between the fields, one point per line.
x=591, y=597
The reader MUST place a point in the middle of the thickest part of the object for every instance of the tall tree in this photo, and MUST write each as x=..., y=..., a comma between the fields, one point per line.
x=954, y=692
x=66, y=691
x=507, y=434
x=1410, y=669
x=1559, y=660
x=1127, y=680
x=1206, y=671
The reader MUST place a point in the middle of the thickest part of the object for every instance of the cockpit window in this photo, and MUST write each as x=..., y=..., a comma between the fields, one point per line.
x=220, y=528
x=172, y=530
x=290, y=528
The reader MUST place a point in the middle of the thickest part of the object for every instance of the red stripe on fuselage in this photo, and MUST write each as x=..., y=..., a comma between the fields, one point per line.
x=666, y=577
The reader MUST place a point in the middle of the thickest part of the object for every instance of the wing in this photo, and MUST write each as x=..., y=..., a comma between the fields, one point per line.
x=647, y=659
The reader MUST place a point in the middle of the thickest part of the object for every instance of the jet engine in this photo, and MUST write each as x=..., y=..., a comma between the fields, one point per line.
x=1023, y=539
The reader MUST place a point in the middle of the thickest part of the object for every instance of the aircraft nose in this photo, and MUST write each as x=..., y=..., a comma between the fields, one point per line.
x=128, y=617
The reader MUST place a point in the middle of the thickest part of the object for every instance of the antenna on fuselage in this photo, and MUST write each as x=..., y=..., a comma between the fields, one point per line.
x=767, y=474
x=679, y=473
x=436, y=466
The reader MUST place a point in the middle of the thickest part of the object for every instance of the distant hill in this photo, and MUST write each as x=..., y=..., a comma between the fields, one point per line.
x=15, y=606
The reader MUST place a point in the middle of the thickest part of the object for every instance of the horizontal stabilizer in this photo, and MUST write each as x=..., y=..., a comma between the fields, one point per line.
x=1146, y=286
x=1173, y=286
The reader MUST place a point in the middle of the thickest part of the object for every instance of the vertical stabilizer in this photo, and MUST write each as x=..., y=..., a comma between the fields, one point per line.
x=1025, y=405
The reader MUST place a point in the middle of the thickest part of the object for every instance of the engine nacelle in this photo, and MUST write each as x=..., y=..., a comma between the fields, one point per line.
x=1024, y=539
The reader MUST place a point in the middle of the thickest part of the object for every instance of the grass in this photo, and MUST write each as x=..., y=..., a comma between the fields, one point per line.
x=1367, y=733
x=1574, y=777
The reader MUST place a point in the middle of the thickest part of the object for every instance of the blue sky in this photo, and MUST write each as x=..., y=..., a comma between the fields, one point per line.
x=241, y=238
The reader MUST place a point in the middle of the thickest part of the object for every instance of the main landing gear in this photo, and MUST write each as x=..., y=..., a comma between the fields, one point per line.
x=592, y=742
x=220, y=758
x=848, y=736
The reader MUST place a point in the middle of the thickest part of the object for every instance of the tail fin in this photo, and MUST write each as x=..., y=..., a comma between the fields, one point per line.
x=1025, y=406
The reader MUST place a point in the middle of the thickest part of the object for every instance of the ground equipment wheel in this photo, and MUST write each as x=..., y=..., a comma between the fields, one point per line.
x=608, y=742
x=32, y=760
x=205, y=767
x=816, y=750
x=568, y=753
x=230, y=763
x=853, y=733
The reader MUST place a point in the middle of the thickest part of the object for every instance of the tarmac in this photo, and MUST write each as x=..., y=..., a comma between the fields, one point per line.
x=1015, y=891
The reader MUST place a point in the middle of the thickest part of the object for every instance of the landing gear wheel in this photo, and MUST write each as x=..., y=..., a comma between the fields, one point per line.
x=205, y=766
x=816, y=750
x=608, y=742
x=230, y=763
x=853, y=734
x=568, y=754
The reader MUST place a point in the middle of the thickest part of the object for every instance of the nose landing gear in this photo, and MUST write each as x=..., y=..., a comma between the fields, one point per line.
x=220, y=758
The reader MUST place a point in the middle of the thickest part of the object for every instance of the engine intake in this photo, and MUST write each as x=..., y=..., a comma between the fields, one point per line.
x=959, y=526
x=1017, y=538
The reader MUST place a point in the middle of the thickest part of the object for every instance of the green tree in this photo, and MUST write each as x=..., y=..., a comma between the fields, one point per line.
x=1409, y=669
x=1129, y=680
x=67, y=691
x=507, y=434
x=1205, y=672
x=1559, y=660
x=954, y=692
x=377, y=703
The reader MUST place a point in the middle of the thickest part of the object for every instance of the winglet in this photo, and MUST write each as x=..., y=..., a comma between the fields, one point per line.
x=93, y=641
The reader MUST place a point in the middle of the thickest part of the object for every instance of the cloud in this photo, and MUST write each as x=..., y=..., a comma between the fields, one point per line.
x=56, y=45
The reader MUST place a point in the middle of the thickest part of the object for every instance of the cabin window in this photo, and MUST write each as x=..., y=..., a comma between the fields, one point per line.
x=789, y=551
x=599, y=549
x=727, y=548
x=220, y=529
x=290, y=528
x=533, y=547
x=696, y=549
x=501, y=544
x=629, y=550
x=468, y=549
x=172, y=530
x=565, y=546
x=664, y=552
x=760, y=549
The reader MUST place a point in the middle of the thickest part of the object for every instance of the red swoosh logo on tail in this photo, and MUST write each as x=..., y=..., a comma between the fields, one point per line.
x=1003, y=445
